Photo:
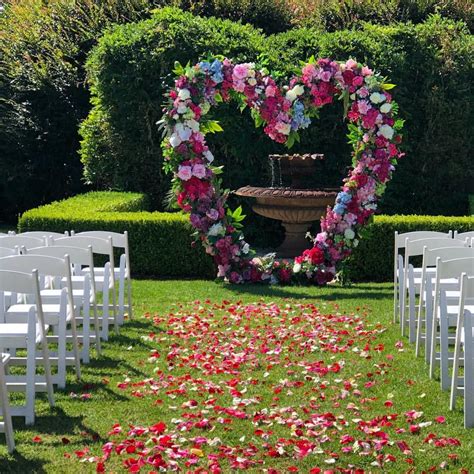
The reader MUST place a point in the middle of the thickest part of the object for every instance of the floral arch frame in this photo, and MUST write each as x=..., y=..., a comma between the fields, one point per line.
x=374, y=133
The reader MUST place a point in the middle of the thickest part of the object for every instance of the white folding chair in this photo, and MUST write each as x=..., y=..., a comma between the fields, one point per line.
x=104, y=283
x=6, y=252
x=425, y=305
x=411, y=287
x=123, y=273
x=83, y=297
x=443, y=315
x=6, y=425
x=44, y=233
x=12, y=241
x=399, y=243
x=26, y=336
x=57, y=316
x=464, y=342
x=464, y=235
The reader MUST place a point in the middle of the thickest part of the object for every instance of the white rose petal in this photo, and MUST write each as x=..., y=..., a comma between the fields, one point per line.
x=193, y=125
x=296, y=267
x=386, y=108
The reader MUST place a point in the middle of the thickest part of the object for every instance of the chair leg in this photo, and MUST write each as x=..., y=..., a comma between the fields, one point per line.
x=30, y=389
x=468, y=374
x=86, y=329
x=434, y=333
x=97, y=330
x=444, y=354
x=75, y=344
x=62, y=352
x=105, y=315
x=114, y=311
x=7, y=419
x=47, y=372
x=129, y=294
x=455, y=374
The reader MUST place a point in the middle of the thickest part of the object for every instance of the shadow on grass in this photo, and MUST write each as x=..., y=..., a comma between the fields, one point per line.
x=326, y=294
x=17, y=463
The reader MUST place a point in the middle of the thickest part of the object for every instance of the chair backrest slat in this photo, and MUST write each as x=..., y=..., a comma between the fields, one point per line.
x=454, y=268
x=446, y=253
x=5, y=252
x=49, y=266
x=12, y=241
x=118, y=240
x=77, y=255
x=415, y=247
x=17, y=282
x=400, y=239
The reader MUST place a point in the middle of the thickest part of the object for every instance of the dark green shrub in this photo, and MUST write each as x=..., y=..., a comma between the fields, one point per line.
x=341, y=14
x=431, y=64
x=471, y=204
x=129, y=70
x=160, y=243
x=373, y=258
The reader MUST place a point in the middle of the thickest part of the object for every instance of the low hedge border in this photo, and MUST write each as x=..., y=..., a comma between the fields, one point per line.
x=161, y=243
x=373, y=258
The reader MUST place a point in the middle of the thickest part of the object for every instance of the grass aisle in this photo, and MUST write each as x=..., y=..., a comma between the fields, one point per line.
x=304, y=380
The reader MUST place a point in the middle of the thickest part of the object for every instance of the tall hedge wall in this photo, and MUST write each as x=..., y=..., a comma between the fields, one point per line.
x=430, y=63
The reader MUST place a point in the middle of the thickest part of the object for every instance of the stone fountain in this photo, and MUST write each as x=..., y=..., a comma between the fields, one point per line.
x=296, y=206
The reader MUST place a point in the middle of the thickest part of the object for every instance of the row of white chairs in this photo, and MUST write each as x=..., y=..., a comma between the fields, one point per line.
x=434, y=303
x=48, y=295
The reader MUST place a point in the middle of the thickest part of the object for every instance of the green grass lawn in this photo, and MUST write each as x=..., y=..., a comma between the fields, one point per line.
x=85, y=412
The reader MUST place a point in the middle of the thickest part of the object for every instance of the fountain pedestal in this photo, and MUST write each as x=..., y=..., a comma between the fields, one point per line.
x=297, y=209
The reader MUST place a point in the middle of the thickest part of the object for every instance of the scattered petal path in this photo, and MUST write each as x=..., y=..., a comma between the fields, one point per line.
x=271, y=388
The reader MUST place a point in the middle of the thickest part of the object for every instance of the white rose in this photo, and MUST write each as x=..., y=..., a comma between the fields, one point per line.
x=386, y=108
x=283, y=128
x=209, y=156
x=349, y=234
x=182, y=109
x=215, y=230
x=377, y=98
x=292, y=94
x=252, y=81
x=246, y=248
x=175, y=140
x=296, y=267
x=386, y=131
x=193, y=125
x=184, y=94
x=183, y=132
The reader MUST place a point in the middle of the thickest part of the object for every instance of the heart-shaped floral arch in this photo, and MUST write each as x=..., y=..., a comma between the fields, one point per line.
x=374, y=133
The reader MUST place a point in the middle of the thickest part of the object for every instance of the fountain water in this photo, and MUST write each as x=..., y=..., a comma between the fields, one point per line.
x=295, y=205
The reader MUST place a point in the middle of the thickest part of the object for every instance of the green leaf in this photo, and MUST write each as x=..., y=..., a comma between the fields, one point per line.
x=387, y=87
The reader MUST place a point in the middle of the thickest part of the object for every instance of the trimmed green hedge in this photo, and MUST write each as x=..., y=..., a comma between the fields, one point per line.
x=373, y=258
x=160, y=243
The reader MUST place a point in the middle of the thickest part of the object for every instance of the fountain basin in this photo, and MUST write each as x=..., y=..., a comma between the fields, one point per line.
x=296, y=208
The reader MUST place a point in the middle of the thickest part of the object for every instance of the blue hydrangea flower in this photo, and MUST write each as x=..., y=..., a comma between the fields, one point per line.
x=205, y=66
x=299, y=119
x=216, y=69
x=344, y=198
x=339, y=209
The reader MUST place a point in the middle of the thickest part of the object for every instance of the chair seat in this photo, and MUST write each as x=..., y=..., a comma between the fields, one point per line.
x=48, y=310
x=99, y=271
x=54, y=295
x=78, y=282
x=18, y=330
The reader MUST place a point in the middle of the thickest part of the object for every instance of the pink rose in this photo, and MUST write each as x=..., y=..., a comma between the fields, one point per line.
x=240, y=71
x=358, y=81
x=326, y=76
x=270, y=91
x=363, y=106
x=351, y=64
x=366, y=71
x=185, y=173
x=199, y=171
